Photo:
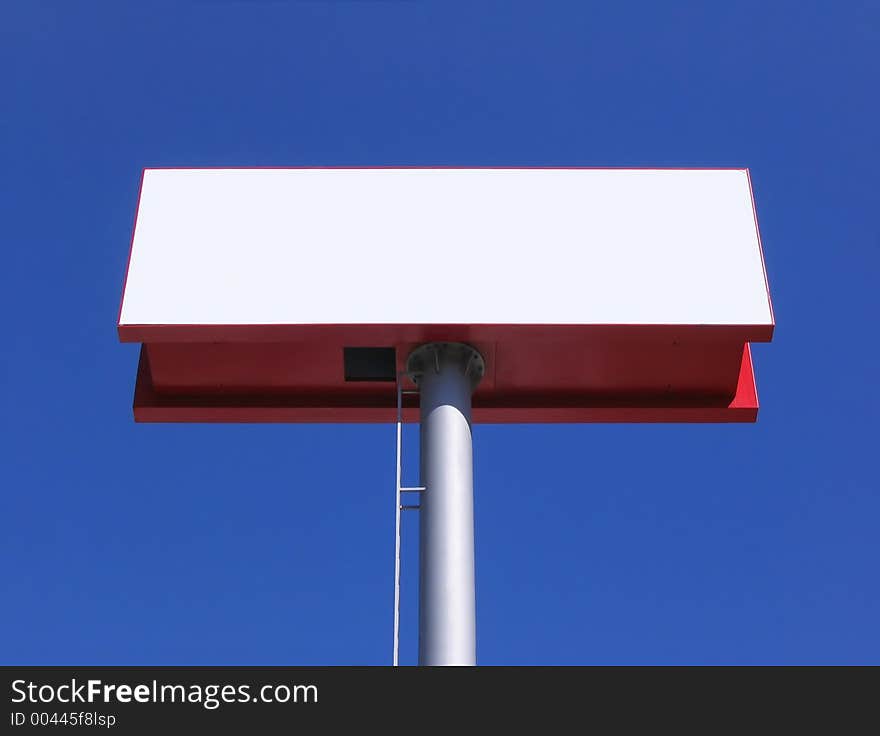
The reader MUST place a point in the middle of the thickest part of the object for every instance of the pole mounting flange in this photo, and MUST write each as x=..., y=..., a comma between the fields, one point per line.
x=428, y=357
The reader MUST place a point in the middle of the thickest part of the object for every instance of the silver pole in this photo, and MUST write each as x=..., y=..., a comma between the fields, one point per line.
x=447, y=374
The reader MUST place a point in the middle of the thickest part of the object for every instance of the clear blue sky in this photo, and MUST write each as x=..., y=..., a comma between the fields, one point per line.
x=189, y=544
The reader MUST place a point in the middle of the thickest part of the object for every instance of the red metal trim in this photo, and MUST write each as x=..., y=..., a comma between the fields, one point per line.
x=746, y=396
x=367, y=334
x=151, y=407
x=510, y=415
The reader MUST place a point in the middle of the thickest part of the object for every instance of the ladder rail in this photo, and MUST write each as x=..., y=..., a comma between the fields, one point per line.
x=396, y=652
x=398, y=508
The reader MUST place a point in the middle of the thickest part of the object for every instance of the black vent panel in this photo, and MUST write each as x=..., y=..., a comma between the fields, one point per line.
x=370, y=364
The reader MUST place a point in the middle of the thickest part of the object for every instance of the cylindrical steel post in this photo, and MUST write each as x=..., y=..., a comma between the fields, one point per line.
x=447, y=374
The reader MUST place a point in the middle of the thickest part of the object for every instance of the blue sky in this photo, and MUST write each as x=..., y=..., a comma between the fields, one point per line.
x=190, y=544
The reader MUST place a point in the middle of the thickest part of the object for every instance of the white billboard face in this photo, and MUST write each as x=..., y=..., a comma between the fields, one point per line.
x=446, y=246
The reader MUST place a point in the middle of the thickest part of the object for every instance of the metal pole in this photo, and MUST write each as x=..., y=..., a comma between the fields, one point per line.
x=447, y=374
